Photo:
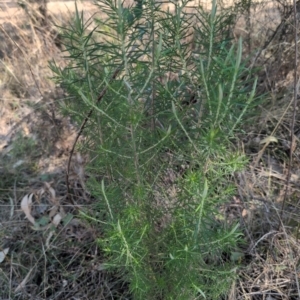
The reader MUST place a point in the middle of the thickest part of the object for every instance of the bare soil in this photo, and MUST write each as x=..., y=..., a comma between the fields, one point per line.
x=10, y=10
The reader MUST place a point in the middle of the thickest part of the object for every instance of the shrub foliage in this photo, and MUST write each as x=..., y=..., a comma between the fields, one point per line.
x=160, y=140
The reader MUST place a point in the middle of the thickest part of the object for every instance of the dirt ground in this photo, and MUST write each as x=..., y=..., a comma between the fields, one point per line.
x=10, y=10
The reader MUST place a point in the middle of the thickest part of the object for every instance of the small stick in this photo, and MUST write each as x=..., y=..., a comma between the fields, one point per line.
x=100, y=97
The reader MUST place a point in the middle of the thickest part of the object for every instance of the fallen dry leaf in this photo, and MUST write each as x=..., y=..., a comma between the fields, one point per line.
x=56, y=220
x=26, y=204
x=12, y=209
x=52, y=192
x=18, y=163
x=3, y=254
x=268, y=140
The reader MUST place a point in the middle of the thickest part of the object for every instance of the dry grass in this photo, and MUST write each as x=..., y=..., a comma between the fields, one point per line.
x=62, y=261
x=55, y=261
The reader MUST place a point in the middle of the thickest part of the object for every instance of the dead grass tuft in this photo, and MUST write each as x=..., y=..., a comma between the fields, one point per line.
x=271, y=273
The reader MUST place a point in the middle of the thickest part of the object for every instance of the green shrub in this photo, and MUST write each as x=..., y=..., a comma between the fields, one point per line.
x=160, y=141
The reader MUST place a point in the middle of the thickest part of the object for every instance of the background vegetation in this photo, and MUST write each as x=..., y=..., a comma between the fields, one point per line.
x=171, y=191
